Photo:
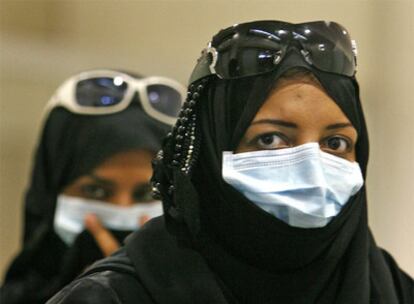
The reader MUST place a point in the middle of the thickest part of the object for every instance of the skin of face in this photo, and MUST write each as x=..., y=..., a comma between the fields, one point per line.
x=122, y=179
x=297, y=112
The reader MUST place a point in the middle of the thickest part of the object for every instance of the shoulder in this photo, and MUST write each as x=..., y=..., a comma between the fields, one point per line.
x=111, y=280
x=169, y=266
x=386, y=272
x=400, y=278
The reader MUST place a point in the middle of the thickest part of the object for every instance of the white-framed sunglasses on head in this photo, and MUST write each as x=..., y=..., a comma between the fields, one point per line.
x=100, y=92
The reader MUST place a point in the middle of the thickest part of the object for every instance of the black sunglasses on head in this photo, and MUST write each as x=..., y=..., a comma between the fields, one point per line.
x=254, y=48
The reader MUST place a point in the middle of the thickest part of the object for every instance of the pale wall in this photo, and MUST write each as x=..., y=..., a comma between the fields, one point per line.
x=43, y=42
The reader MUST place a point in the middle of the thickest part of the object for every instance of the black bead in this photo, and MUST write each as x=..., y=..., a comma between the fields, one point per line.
x=178, y=147
x=188, y=111
x=160, y=155
x=184, y=106
x=169, y=135
x=200, y=88
x=192, y=103
x=171, y=189
x=196, y=95
x=183, y=120
x=156, y=194
x=177, y=156
x=179, y=138
x=181, y=129
x=175, y=163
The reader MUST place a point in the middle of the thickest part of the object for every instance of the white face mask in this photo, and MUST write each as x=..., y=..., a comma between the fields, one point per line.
x=302, y=186
x=71, y=211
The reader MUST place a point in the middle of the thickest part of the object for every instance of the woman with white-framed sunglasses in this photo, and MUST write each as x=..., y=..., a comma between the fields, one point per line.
x=90, y=183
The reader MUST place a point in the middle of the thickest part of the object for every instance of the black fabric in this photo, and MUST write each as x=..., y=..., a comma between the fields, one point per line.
x=70, y=146
x=156, y=268
x=161, y=269
x=84, y=252
x=170, y=269
x=112, y=280
x=259, y=258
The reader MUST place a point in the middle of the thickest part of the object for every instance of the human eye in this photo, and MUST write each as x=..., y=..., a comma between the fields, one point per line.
x=337, y=145
x=270, y=141
x=95, y=191
x=143, y=193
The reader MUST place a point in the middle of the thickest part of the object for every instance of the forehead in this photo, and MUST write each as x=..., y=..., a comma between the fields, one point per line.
x=301, y=99
x=127, y=166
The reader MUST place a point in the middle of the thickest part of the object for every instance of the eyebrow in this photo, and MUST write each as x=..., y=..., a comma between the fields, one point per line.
x=339, y=126
x=275, y=122
x=101, y=180
x=288, y=124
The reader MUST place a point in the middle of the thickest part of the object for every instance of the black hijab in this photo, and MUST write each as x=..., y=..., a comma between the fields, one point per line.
x=256, y=257
x=71, y=145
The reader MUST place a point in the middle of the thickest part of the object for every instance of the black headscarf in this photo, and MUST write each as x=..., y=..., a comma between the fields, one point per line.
x=280, y=262
x=256, y=257
x=71, y=145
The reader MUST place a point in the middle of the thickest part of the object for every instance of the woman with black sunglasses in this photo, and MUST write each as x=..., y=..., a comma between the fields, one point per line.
x=90, y=184
x=263, y=184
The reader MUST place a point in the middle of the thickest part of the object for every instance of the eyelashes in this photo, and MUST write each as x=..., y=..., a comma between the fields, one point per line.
x=143, y=193
x=270, y=141
x=96, y=191
x=336, y=144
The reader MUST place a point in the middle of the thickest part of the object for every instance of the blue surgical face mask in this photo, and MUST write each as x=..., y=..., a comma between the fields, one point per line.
x=302, y=186
x=71, y=211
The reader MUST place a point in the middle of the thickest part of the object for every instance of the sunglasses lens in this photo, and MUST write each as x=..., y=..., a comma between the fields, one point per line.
x=100, y=91
x=247, y=62
x=329, y=47
x=164, y=99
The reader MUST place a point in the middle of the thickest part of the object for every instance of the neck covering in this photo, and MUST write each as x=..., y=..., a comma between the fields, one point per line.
x=72, y=145
x=256, y=257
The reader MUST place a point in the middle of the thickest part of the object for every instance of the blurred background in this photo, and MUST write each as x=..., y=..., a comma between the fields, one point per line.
x=44, y=42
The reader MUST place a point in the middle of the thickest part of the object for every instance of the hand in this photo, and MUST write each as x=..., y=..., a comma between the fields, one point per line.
x=143, y=219
x=105, y=240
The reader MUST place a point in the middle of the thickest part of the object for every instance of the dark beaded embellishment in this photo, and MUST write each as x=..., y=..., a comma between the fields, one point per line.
x=184, y=138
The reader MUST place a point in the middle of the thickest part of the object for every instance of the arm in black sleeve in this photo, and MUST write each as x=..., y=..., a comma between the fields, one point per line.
x=107, y=287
